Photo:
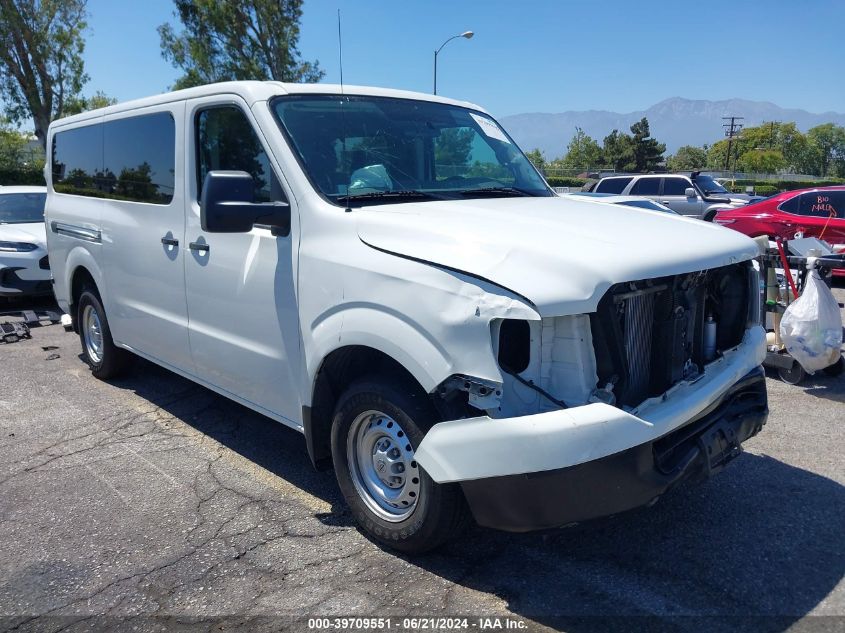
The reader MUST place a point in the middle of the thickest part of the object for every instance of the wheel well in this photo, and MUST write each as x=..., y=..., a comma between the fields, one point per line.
x=80, y=279
x=338, y=370
x=710, y=215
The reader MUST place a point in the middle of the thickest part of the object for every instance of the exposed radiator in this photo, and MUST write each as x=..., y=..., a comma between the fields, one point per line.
x=638, y=325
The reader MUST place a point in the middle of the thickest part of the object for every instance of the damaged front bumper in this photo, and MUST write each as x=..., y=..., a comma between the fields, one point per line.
x=572, y=465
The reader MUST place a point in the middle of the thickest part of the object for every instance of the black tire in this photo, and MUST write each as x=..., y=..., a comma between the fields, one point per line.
x=111, y=361
x=793, y=375
x=709, y=217
x=439, y=512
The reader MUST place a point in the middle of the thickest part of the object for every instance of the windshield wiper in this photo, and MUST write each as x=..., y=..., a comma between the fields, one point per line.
x=496, y=191
x=410, y=194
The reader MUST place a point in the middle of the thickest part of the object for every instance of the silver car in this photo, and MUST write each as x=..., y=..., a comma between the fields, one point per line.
x=698, y=196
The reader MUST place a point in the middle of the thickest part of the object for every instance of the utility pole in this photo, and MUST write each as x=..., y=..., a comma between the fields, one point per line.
x=731, y=129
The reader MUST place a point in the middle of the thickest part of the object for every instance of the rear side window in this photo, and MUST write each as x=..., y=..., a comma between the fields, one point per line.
x=823, y=204
x=646, y=187
x=675, y=186
x=612, y=185
x=225, y=140
x=77, y=161
x=791, y=205
x=128, y=159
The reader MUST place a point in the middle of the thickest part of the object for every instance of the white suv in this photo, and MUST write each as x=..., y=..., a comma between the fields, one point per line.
x=386, y=273
x=698, y=195
x=24, y=267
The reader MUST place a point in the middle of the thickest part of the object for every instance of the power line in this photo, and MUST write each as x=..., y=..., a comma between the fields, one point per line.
x=731, y=129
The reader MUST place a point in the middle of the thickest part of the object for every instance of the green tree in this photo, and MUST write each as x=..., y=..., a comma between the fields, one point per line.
x=582, y=152
x=717, y=152
x=687, y=158
x=41, y=65
x=12, y=146
x=826, y=148
x=648, y=152
x=618, y=152
x=768, y=161
x=224, y=40
x=82, y=104
x=537, y=159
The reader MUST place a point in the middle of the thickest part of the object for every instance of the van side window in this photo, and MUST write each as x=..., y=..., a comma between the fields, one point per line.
x=127, y=159
x=226, y=141
x=77, y=160
x=139, y=158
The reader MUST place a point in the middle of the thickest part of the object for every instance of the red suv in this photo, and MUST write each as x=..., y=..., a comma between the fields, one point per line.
x=809, y=212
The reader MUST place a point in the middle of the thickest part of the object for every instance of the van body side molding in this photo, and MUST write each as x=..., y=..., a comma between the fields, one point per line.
x=79, y=232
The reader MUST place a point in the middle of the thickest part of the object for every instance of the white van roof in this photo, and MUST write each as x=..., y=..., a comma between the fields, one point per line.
x=254, y=91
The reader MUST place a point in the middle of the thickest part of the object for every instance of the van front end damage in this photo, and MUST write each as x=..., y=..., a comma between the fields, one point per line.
x=553, y=468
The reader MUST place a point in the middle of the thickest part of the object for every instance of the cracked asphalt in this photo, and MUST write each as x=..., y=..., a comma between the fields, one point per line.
x=151, y=503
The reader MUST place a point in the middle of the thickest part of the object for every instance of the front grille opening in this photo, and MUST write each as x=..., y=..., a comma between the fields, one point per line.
x=649, y=335
x=514, y=345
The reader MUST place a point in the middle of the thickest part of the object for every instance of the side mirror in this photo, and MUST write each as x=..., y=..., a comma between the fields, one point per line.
x=228, y=205
x=690, y=192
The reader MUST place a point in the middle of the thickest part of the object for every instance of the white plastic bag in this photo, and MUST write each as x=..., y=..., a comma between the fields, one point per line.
x=811, y=327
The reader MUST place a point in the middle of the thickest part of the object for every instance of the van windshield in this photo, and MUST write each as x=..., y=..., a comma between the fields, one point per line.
x=382, y=150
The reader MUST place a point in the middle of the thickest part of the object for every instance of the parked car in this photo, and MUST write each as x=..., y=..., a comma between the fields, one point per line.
x=816, y=212
x=626, y=201
x=446, y=336
x=697, y=195
x=24, y=267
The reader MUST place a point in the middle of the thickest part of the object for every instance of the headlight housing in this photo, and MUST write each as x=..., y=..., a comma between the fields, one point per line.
x=17, y=247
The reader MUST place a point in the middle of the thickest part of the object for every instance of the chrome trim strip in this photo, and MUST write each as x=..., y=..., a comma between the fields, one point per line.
x=79, y=232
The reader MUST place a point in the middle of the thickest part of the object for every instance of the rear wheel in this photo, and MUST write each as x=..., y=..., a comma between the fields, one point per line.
x=98, y=349
x=793, y=375
x=377, y=426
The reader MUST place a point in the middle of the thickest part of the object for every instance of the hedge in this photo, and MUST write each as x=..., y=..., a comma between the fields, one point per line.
x=21, y=177
x=760, y=190
x=565, y=181
x=783, y=185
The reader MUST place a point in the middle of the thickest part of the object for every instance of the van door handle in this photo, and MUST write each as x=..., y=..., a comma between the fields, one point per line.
x=196, y=246
x=170, y=241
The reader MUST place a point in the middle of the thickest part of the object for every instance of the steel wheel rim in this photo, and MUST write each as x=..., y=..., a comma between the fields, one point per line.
x=382, y=466
x=92, y=331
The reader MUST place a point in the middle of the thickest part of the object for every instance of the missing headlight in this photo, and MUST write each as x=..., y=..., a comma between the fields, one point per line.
x=514, y=345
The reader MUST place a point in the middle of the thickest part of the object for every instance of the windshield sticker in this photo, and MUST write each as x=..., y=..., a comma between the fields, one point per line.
x=490, y=128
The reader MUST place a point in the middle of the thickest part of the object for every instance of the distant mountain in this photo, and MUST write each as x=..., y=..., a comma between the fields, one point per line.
x=675, y=121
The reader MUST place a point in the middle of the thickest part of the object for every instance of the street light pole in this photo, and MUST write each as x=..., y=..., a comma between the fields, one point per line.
x=466, y=34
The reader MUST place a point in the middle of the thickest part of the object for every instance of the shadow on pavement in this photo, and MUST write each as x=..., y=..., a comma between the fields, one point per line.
x=761, y=539
x=268, y=443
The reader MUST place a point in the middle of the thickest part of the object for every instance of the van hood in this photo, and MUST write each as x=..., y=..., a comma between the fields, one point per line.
x=560, y=254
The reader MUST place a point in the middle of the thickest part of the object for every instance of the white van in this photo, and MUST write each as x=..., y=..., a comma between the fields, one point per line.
x=385, y=272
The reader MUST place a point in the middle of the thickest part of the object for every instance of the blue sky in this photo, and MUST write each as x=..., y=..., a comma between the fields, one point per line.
x=531, y=56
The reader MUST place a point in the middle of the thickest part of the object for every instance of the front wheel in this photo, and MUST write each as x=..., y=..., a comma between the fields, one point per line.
x=377, y=426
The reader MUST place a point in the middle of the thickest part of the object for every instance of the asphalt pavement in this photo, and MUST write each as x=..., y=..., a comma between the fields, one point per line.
x=153, y=503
